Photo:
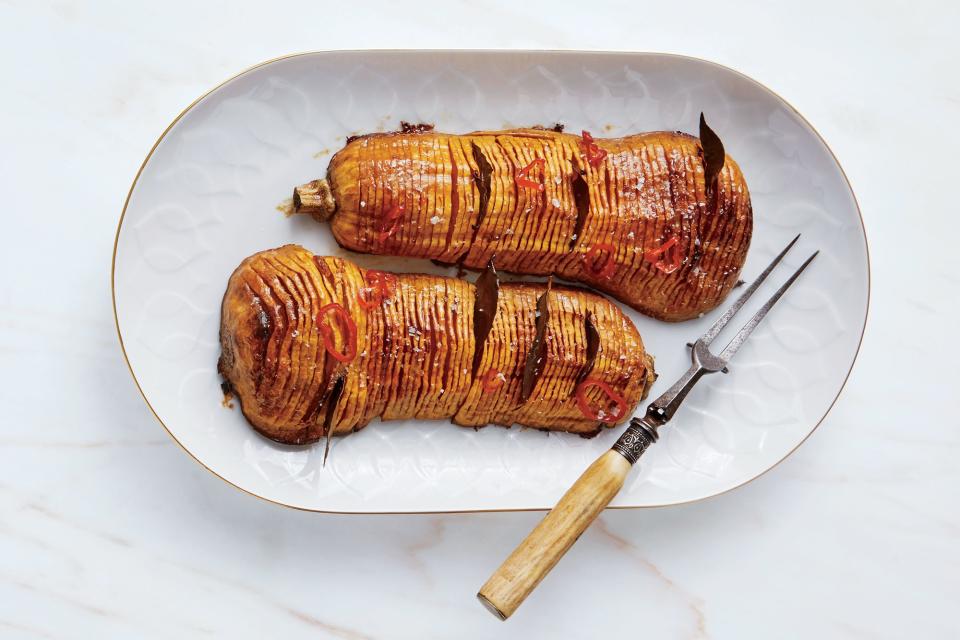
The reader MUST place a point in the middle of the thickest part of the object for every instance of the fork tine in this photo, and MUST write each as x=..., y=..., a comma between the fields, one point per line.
x=722, y=321
x=748, y=328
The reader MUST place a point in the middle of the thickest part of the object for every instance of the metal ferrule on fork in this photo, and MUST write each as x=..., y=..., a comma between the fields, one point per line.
x=635, y=440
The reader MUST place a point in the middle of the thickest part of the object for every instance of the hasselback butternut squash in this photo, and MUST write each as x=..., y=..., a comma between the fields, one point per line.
x=661, y=221
x=317, y=345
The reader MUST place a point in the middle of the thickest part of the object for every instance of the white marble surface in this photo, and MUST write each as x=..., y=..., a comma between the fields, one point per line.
x=107, y=529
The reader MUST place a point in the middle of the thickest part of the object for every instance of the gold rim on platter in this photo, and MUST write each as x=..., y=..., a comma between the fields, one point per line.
x=113, y=264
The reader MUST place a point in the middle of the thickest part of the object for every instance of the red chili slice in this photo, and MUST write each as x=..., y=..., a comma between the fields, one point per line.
x=390, y=222
x=385, y=282
x=491, y=380
x=369, y=297
x=524, y=181
x=667, y=257
x=607, y=417
x=599, y=264
x=380, y=286
x=350, y=331
x=592, y=150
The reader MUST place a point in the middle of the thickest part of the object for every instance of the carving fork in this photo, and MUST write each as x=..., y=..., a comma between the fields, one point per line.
x=592, y=492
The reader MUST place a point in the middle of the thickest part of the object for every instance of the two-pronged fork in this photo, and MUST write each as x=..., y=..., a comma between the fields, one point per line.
x=592, y=492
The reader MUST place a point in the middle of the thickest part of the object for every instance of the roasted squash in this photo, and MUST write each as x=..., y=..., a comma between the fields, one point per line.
x=643, y=218
x=316, y=345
